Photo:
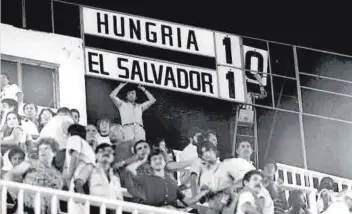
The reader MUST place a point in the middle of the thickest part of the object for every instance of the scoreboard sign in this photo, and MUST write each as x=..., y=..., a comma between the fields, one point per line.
x=227, y=82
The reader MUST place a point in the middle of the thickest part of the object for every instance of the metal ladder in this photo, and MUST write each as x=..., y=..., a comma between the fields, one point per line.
x=246, y=129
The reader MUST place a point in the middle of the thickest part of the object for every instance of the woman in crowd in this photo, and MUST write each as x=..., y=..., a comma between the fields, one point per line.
x=11, y=136
x=325, y=194
x=40, y=173
x=44, y=116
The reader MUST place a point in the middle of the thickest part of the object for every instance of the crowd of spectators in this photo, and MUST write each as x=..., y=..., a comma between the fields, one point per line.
x=52, y=149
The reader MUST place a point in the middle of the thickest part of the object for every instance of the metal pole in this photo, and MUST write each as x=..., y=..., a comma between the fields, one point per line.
x=300, y=115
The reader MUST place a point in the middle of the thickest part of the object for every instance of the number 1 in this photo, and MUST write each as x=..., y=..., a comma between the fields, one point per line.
x=227, y=42
x=230, y=76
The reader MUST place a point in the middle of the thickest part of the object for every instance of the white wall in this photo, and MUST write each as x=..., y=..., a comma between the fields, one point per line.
x=65, y=51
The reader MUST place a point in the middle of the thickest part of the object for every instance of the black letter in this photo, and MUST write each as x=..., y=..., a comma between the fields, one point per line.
x=146, y=73
x=136, y=70
x=122, y=25
x=169, y=76
x=104, y=23
x=166, y=31
x=207, y=79
x=119, y=65
x=192, y=40
x=151, y=35
x=135, y=31
x=179, y=78
x=91, y=63
x=101, y=61
x=197, y=88
x=179, y=42
x=157, y=74
x=249, y=56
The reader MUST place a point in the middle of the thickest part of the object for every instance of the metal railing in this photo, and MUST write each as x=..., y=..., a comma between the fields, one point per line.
x=87, y=200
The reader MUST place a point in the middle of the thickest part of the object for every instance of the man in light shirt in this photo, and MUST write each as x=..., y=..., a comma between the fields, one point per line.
x=30, y=123
x=57, y=127
x=103, y=126
x=131, y=112
x=343, y=206
x=10, y=90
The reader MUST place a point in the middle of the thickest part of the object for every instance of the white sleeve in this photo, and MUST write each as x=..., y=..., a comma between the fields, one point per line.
x=246, y=197
x=74, y=143
x=196, y=167
x=16, y=89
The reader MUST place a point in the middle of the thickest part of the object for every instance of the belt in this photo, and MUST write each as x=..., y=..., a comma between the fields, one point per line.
x=132, y=124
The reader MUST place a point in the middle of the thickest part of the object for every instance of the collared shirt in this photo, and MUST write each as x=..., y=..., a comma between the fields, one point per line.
x=10, y=91
x=100, y=184
x=30, y=127
x=131, y=113
x=82, y=147
x=246, y=197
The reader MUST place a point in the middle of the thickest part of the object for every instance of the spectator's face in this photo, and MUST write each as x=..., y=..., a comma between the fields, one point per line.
x=116, y=133
x=45, y=117
x=4, y=80
x=212, y=138
x=209, y=155
x=16, y=159
x=301, y=201
x=255, y=183
x=157, y=162
x=269, y=170
x=45, y=153
x=244, y=149
x=75, y=117
x=131, y=96
x=162, y=146
x=104, y=127
x=142, y=149
x=106, y=157
x=7, y=107
x=92, y=133
x=30, y=111
x=196, y=138
x=12, y=120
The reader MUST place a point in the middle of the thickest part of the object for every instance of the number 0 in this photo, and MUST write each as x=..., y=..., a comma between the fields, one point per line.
x=230, y=76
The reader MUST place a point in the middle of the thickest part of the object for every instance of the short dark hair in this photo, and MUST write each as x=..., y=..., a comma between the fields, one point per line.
x=207, y=145
x=102, y=146
x=102, y=120
x=64, y=110
x=326, y=183
x=16, y=150
x=138, y=142
x=293, y=198
x=48, y=141
x=75, y=110
x=247, y=177
x=11, y=103
x=42, y=111
x=155, y=152
x=27, y=104
x=77, y=130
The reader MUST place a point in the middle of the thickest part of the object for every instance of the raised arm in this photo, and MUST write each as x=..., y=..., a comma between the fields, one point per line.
x=177, y=165
x=151, y=99
x=18, y=170
x=113, y=95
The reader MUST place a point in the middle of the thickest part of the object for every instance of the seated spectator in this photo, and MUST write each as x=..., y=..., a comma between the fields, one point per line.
x=75, y=115
x=57, y=127
x=44, y=117
x=325, y=194
x=11, y=136
x=248, y=201
x=298, y=203
x=7, y=105
x=10, y=90
x=103, y=126
x=30, y=123
x=158, y=189
x=39, y=172
x=344, y=206
x=16, y=156
x=103, y=182
x=141, y=166
x=274, y=187
x=92, y=135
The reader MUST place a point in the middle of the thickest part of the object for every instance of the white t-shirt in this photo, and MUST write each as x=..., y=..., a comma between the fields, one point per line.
x=338, y=208
x=131, y=113
x=268, y=201
x=85, y=151
x=245, y=197
x=29, y=127
x=10, y=91
x=57, y=128
x=216, y=175
x=239, y=167
x=102, y=139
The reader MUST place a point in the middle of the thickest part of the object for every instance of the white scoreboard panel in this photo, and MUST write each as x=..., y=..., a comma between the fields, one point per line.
x=227, y=82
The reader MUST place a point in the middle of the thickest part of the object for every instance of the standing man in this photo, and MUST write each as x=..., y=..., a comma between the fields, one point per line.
x=30, y=123
x=10, y=90
x=131, y=112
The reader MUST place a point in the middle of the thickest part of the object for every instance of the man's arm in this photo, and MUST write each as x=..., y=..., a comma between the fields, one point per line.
x=18, y=170
x=194, y=185
x=195, y=199
x=71, y=167
x=151, y=99
x=248, y=209
x=113, y=95
x=174, y=166
x=123, y=163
